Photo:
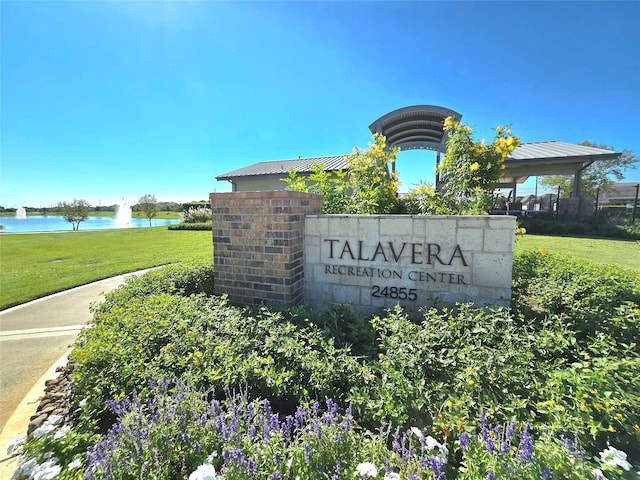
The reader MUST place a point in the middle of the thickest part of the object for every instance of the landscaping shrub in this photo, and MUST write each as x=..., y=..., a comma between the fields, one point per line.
x=197, y=215
x=192, y=226
x=563, y=360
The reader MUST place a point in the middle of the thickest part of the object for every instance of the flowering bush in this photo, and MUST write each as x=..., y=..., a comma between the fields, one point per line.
x=563, y=359
x=333, y=187
x=469, y=171
x=180, y=433
x=368, y=188
x=510, y=451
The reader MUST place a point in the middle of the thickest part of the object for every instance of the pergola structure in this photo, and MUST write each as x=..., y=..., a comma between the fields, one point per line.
x=421, y=127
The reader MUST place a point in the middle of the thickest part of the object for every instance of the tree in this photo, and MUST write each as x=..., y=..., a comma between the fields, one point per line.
x=148, y=205
x=600, y=174
x=75, y=212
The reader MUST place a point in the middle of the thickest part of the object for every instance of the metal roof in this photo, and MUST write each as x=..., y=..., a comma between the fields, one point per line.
x=550, y=158
x=555, y=149
x=528, y=159
x=619, y=192
x=281, y=168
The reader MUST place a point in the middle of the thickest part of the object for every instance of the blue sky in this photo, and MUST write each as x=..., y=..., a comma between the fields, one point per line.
x=104, y=100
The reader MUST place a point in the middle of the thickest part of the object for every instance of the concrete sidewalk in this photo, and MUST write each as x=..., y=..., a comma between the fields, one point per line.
x=34, y=340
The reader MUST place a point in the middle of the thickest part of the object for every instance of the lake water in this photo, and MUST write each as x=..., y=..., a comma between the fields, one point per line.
x=52, y=223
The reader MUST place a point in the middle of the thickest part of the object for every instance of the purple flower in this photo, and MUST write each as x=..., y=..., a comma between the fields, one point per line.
x=491, y=448
x=112, y=405
x=490, y=475
x=546, y=473
x=572, y=446
x=464, y=440
x=436, y=465
x=252, y=468
x=300, y=416
x=525, y=453
x=307, y=452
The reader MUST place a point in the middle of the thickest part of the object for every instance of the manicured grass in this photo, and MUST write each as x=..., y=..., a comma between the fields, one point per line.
x=35, y=265
x=622, y=253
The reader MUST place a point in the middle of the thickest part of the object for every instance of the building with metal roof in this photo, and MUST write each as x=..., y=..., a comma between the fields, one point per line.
x=621, y=194
x=422, y=127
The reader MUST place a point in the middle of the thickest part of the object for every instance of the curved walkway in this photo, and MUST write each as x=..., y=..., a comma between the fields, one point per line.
x=34, y=340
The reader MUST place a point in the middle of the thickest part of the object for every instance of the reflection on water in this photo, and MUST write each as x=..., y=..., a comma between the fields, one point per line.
x=49, y=223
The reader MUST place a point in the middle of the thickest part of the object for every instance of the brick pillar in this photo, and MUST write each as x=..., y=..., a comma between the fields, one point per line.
x=258, y=245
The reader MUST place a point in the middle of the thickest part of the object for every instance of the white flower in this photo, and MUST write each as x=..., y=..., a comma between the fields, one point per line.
x=613, y=457
x=48, y=426
x=82, y=403
x=75, y=464
x=14, y=444
x=204, y=472
x=62, y=432
x=599, y=474
x=367, y=470
x=48, y=470
x=25, y=468
x=417, y=432
x=432, y=444
x=392, y=476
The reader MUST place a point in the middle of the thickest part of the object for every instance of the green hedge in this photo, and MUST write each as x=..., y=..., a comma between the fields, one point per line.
x=191, y=226
x=564, y=356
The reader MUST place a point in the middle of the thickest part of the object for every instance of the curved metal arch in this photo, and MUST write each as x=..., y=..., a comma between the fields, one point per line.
x=415, y=127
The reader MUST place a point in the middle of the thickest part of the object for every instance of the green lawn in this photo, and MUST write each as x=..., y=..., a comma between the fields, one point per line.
x=623, y=253
x=34, y=265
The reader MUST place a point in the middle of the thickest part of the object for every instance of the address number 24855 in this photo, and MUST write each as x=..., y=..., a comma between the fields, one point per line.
x=399, y=293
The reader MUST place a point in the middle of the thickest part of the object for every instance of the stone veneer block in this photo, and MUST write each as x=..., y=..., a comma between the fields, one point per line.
x=375, y=261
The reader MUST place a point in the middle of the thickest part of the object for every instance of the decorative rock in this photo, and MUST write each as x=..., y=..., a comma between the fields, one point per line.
x=55, y=401
x=33, y=424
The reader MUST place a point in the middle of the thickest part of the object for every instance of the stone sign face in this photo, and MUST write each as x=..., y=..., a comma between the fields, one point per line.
x=374, y=261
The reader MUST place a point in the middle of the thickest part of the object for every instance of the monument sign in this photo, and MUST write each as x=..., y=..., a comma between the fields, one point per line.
x=276, y=246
